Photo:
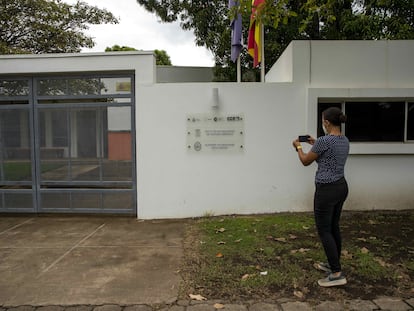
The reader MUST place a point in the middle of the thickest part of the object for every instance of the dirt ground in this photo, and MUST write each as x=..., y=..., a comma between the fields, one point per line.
x=388, y=269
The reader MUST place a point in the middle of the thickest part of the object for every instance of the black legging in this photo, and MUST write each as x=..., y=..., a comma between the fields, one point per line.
x=328, y=202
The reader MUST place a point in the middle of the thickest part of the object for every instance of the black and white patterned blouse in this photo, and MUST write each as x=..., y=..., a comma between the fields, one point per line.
x=333, y=151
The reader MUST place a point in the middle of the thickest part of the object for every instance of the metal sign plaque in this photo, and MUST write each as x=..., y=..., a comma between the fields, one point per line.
x=207, y=132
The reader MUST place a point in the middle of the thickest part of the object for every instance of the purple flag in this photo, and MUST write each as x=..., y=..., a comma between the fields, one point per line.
x=236, y=33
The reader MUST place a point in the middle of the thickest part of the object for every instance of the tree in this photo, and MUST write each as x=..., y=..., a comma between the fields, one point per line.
x=117, y=48
x=286, y=20
x=47, y=26
x=161, y=56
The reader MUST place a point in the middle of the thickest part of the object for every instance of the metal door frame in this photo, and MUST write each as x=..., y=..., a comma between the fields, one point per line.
x=34, y=108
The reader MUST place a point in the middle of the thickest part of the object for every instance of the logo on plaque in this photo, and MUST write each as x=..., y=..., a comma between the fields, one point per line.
x=197, y=146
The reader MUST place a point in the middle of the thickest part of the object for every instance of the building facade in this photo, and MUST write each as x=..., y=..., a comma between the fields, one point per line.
x=95, y=133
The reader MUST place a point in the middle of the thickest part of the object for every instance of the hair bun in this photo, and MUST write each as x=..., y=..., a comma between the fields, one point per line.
x=342, y=118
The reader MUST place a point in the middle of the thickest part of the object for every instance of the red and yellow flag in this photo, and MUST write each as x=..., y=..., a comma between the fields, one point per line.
x=254, y=40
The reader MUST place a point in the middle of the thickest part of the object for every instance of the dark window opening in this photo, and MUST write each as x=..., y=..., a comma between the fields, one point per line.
x=410, y=121
x=375, y=121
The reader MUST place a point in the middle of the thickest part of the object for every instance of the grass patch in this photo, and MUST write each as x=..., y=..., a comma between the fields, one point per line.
x=270, y=256
x=19, y=170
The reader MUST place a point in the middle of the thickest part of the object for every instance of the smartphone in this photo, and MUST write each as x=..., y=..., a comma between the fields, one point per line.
x=304, y=138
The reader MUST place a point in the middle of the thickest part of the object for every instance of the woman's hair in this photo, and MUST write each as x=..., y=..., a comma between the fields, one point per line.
x=334, y=115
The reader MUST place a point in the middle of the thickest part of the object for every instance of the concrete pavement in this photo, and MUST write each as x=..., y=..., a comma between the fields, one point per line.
x=115, y=264
x=88, y=260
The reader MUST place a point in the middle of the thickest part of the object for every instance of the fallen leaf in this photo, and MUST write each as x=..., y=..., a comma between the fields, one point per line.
x=219, y=255
x=346, y=254
x=381, y=262
x=269, y=237
x=218, y=306
x=364, y=250
x=238, y=241
x=362, y=239
x=292, y=237
x=258, y=267
x=221, y=230
x=263, y=273
x=306, y=227
x=245, y=277
x=372, y=237
x=298, y=294
x=300, y=250
x=197, y=297
x=221, y=243
x=372, y=222
x=283, y=240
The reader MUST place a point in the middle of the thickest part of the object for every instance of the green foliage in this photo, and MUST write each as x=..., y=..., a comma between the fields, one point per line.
x=117, y=48
x=161, y=56
x=286, y=20
x=47, y=26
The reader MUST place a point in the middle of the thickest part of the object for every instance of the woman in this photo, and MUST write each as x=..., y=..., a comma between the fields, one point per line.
x=330, y=152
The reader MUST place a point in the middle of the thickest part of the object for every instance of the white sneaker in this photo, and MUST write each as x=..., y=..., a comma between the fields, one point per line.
x=322, y=266
x=332, y=281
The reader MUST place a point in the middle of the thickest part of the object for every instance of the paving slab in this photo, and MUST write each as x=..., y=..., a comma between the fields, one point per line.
x=296, y=306
x=108, y=308
x=234, y=307
x=79, y=308
x=75, y=261
x=410, y=302
x=10, y=223
x=360, y=305
x=264, y=307
x=391, y=304
x=138, y=308
x=329, y=306
x=173, y=308
x=22, y=308
x=50, y=308
x=201, y=307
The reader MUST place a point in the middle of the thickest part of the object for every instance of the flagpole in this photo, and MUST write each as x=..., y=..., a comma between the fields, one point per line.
x=262, y=63
x=238, y=70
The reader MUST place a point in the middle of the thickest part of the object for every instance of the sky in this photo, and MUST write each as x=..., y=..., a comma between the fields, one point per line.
x=142, y=30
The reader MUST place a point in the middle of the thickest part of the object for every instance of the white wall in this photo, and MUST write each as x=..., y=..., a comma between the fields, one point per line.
x=265, y=177
x=347, y=64
x=143, y=63
x=380, y=182
x=282, y=70
x=182, y=74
